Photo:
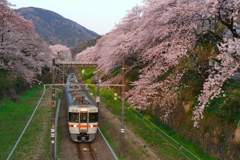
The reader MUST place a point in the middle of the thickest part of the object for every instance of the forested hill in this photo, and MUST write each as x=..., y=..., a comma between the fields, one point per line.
x=54, y=28
x=83, y=45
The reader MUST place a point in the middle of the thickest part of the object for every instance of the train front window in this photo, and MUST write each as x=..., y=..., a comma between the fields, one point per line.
x=93, y=117
x=73, y=117
x=83, y=117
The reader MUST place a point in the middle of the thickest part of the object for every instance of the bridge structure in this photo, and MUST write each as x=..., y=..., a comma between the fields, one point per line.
x=77, y=64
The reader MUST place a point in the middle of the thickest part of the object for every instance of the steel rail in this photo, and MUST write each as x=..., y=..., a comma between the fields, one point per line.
x=79, y=151
x=91, y=151
x=85, y=155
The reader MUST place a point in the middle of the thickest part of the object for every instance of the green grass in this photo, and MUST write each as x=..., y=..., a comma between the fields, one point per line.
x=13, y=118
x=88, y=72
x=35, y=143
x=59, y=135
x=109, y=139
x=153, y=138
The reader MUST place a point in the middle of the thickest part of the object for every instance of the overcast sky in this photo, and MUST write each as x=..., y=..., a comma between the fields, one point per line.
x=99, y=16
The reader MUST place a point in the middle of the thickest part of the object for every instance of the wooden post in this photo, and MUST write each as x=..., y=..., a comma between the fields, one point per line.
x=63, y=73
x=59, y=80
x=53, y=109
x=122, y=118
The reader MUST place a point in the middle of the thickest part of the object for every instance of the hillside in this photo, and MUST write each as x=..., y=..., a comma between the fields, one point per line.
x=54, y=28
x=82, y=46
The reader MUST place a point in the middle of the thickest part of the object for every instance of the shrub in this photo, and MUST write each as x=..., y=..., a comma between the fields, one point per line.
x=229, y=110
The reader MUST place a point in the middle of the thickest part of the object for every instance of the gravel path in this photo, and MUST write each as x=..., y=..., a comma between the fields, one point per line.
x=68, y=147
x=101, y=149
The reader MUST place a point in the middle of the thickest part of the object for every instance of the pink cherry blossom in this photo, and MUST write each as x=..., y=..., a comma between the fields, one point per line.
x=159, y=34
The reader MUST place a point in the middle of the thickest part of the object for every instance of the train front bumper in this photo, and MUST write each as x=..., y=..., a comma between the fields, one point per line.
x=82, y=137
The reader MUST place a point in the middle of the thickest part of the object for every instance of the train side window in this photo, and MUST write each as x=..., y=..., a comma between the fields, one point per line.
x=93, y=117
x=73, y=117
x=83, y=117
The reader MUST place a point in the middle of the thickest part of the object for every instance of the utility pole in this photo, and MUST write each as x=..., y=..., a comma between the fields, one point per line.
x=60, y=77
x=53, y=110
x=122, y=120
x=98, y=97
x=60, y=80
x=63, y=74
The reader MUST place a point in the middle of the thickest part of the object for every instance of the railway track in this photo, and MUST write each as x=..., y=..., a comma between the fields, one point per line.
x=85, y=151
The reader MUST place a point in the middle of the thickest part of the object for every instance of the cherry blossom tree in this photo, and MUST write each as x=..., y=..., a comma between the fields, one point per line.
x=21, y=49
x=61, y=52
x=160, y=34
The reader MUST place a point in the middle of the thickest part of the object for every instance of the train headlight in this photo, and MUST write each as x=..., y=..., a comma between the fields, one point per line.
x=75, y=126
x=84, y=109
x=91, y=126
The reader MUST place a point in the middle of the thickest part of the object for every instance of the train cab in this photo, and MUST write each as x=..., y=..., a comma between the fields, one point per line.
x=83, y=122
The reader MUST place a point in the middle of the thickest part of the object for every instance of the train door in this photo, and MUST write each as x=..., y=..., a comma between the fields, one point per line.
x=83, y=123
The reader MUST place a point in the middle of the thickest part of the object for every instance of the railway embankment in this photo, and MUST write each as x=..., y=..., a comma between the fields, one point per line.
x=218, y=133
x=35, y=142
x=145, y=138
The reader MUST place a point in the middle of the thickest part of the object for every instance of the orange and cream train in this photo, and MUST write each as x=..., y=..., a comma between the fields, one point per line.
x=82, y=113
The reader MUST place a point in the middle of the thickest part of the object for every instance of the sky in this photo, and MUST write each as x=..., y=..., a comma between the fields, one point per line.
x=99, y=16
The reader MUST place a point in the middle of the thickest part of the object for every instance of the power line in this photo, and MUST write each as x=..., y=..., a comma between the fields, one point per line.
x=111, y=75
x=166, y=135
x=25, y=127
x=130, y=132
x=60, y=70
x=128, y=137
x=22, y=103
x=45, y=76
x=159, y=130
x=133, y=142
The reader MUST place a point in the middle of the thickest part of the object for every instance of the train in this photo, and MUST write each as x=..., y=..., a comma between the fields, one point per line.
x=82, y=113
